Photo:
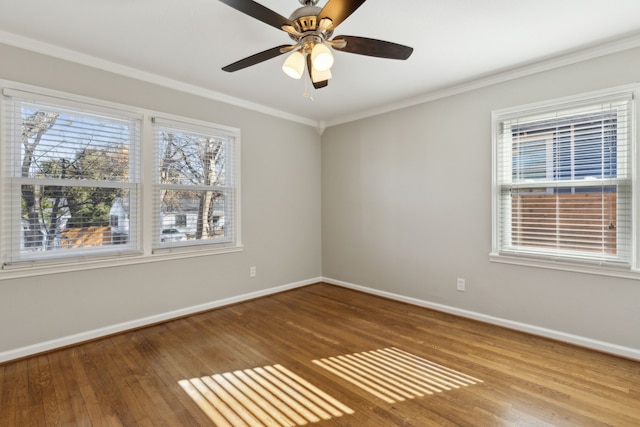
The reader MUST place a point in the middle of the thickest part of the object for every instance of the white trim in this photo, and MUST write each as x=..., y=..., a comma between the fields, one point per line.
x=602, y=346
x=144, y=253
x=232, y=174
x=123, y=70
x=627, y=265
x=500, y=77
x=586, y=100
x=496, y=78
x=30, y=350
x=79, y=264
x=618, y=350
x=575, y=267
x=194, y=125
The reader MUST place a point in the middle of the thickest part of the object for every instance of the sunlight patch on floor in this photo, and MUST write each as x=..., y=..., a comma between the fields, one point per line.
x=267, y=396
x=394, y=375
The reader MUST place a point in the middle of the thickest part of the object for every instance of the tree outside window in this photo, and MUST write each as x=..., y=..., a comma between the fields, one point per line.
x=195, y=183
x=67, y=168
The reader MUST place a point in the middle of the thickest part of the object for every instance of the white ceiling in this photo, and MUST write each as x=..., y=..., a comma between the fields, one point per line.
x=185, y=43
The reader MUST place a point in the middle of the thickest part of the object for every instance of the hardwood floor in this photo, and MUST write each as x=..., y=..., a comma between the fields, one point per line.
x=325, y=356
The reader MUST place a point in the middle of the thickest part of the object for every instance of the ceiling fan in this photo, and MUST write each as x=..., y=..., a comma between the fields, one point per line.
x=311, y=28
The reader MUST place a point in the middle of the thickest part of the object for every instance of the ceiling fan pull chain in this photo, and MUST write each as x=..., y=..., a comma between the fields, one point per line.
x=306, y=93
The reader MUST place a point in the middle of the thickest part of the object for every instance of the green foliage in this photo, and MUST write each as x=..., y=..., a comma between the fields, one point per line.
x=87, y=206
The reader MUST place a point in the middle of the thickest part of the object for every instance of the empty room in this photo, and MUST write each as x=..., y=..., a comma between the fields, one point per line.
x=331, y=213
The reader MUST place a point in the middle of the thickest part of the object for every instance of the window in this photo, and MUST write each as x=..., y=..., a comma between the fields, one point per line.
x=563, y=180
x=73, y=194
x=195, y=189
x=67, y=167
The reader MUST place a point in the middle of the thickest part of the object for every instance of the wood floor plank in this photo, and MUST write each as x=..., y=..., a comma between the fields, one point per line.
x=73, y=410
x=143, y=380
x=14, y=398
x=169, y=374
x=35, y=395
x=51, y=404
x=151, y=355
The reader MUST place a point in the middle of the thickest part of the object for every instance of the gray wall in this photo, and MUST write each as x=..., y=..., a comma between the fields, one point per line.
x=397, y=203
x=280, y=163
x=406, y=209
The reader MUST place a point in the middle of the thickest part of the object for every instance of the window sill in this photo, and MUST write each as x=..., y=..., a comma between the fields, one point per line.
x=91, y=264
x=610, y=271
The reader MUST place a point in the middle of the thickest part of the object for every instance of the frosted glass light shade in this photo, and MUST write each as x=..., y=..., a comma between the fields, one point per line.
x=294, y=65
x=321, y=57
x=319, y=76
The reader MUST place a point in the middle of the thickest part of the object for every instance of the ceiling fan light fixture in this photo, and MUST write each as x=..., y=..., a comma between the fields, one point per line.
x=320, y=76
x=311, y=28
x=321, y=57
x=294, y=65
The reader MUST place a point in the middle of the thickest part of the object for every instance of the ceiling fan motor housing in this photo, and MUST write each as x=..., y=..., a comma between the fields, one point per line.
x=305, y=20
x=312, y=35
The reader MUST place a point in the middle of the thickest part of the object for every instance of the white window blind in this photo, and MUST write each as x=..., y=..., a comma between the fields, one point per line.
x=563, y=177
x=195, y=195
x=70, y=176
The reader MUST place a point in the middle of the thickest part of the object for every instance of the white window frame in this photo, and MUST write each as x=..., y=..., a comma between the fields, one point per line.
x=629, y=228
x=144, y=250
x=232, y=149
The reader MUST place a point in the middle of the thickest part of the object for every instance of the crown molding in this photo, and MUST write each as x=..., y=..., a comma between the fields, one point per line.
x=99, y=63
x=565, y=59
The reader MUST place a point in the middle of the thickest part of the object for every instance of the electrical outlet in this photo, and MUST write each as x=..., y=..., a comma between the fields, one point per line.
x=252, y=272
x=460, y=285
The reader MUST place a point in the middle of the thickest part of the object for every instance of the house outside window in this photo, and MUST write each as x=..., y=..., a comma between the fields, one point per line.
x=181, y=221
x=563, y=181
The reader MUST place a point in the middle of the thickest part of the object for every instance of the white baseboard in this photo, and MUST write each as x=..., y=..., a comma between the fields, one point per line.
x=627, y=352
x=30, y=350
x=146, y=321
